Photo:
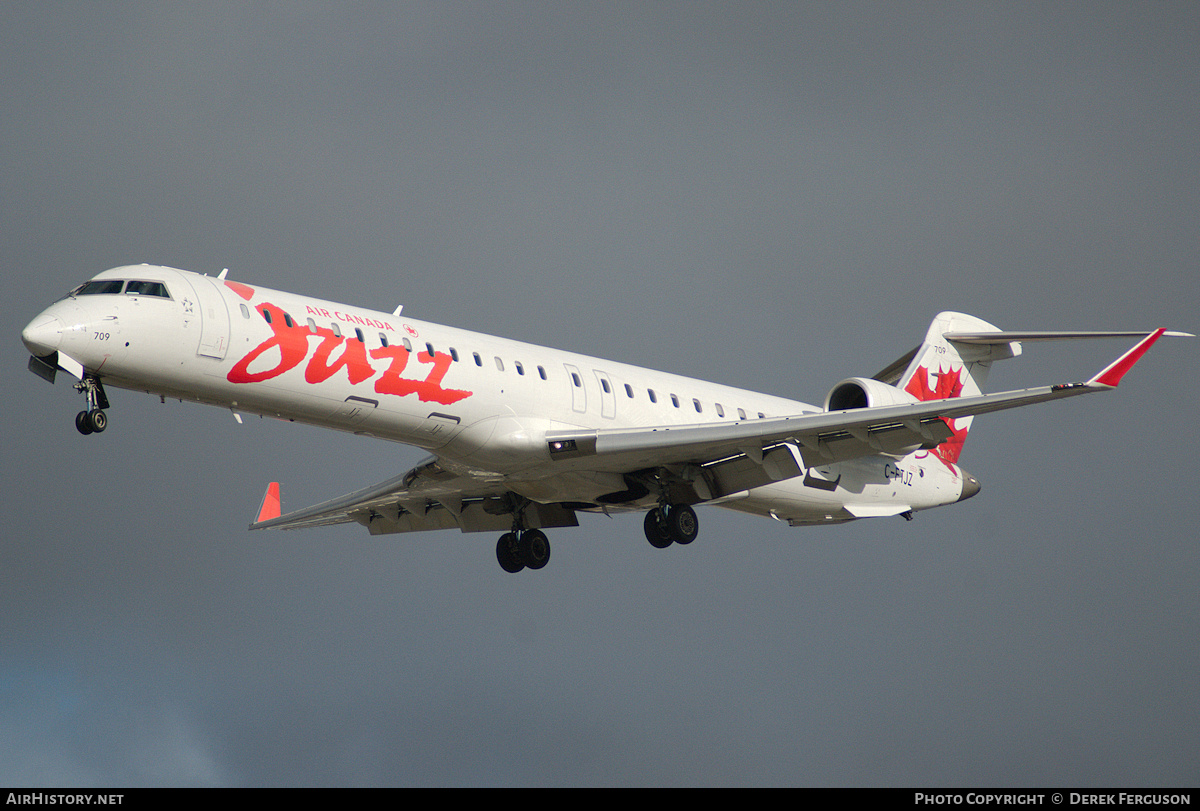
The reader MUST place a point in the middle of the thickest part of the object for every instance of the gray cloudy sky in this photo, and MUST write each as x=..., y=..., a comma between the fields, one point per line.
x=774, y=196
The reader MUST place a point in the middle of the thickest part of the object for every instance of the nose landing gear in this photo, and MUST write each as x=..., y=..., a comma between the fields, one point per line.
x=92, y=420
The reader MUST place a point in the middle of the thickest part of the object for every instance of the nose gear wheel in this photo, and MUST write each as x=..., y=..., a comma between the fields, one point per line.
x=92, y=420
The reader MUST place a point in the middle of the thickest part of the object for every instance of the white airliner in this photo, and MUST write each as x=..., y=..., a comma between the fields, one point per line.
x=525, y=437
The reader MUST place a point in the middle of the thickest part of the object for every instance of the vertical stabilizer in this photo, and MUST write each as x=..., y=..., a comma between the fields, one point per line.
x=941, y=369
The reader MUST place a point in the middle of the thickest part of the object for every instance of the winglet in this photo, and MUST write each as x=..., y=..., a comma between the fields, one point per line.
x=270, y=504
x=1112, y=374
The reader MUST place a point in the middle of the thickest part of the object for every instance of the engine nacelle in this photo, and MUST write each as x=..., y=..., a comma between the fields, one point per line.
x=897, y=440
x=865, y=392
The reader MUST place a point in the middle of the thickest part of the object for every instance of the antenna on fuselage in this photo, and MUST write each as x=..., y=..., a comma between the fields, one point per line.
x=397, y=310
x=221, y=275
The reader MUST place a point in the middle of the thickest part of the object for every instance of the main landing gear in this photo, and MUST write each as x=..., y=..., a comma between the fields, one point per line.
x=672, y=523
x=521, y=549
x=92, y=420
x=530, y=548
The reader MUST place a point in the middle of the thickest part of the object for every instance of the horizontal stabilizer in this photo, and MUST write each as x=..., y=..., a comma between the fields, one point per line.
x=987, y=338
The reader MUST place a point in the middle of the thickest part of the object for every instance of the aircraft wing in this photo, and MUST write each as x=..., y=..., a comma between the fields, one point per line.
x=736, y=455
x=425, y=498
x=823, y=437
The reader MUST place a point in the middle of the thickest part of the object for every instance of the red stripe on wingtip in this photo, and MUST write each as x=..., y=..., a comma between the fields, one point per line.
x=1117, y=369
x=270, y=503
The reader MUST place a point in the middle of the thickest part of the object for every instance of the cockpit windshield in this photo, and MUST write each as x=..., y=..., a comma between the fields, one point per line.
x=146, y=289
x=98, y=287
x=101, y=287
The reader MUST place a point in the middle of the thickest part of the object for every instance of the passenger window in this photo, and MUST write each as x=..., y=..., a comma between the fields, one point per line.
x=382, y=339
x=266, y=315
x=358, y=333
x=287, y=319
x=604, y=385
x=478, y=360
x=454, y=354
x=337, y=331
x=629, y=391
x=741, y=414
x=762, y=416
x=542, y=373
x=312, y=326
x=674, y=401
x=407, y=345
x=696, y=403
x=517, y=365
x=499, y=363
x=720, y=411
x=429, y=349
x=653, y=396
x=245, y=311
x=576, y=381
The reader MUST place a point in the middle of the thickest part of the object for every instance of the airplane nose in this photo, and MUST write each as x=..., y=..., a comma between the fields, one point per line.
x=970, y=486
x=42, y=335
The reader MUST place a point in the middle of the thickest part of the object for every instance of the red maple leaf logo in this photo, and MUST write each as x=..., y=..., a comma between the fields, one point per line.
x=949, y=384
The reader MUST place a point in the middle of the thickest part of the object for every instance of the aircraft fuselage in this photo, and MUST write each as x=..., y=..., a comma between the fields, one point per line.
x=484, y=405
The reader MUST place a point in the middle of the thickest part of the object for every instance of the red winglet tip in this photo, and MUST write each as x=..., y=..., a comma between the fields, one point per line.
x=270, y=504
x=1112, y=374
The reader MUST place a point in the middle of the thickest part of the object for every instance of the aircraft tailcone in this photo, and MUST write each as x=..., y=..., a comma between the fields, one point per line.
x=970, y=486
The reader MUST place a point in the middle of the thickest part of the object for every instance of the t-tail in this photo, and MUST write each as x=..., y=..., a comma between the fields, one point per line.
x=941, y=368
x=957, y=354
